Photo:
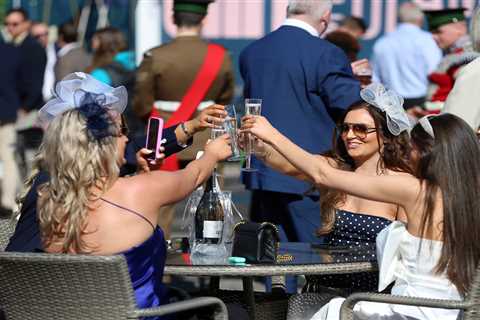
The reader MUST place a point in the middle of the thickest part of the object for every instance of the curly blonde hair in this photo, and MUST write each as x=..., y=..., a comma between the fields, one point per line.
x=81, y=169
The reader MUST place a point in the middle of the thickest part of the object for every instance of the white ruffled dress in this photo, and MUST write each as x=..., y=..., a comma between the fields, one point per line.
x=400, y=260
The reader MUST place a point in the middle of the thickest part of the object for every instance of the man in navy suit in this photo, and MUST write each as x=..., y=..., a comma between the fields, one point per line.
x=305, y=82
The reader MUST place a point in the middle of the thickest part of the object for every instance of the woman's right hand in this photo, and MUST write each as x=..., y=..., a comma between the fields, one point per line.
x=219, y=148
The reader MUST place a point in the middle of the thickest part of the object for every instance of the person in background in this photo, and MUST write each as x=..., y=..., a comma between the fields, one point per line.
x=9, y=106
x=345, y=41
x=33, y=64
x=403, y=59
x=464, y=99
x=34, y=58
x=71, y=56
x=114, y=65
x=39, y=31
x=305, y=78
x=354, y=26
x=165, y=81
x=449, y=30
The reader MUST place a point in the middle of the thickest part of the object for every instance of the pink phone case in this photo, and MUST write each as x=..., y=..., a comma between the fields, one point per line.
x=152, y=144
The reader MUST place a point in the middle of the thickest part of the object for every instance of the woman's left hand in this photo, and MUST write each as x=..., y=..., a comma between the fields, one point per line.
x=259, y=127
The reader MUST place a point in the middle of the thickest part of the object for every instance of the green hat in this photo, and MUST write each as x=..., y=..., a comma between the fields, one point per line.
x=193, y=6
x=438, y=18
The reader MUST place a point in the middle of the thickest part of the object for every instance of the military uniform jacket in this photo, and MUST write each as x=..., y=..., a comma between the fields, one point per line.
x=167, y=72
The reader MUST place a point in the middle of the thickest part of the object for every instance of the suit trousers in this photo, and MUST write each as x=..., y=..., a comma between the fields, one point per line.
x=11, y=176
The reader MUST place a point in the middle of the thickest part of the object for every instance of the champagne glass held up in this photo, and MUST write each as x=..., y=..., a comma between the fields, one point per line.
x=230, y=126
x=252, y=107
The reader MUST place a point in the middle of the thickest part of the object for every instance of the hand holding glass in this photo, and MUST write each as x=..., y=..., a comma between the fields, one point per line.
x=252, y=107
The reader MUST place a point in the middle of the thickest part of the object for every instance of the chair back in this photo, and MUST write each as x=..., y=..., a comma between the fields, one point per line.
x=7, y=227
x=61, y=286
x=473, y=299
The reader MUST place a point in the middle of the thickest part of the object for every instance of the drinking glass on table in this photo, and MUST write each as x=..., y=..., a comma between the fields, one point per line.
x=252, y=107
x=230, y=126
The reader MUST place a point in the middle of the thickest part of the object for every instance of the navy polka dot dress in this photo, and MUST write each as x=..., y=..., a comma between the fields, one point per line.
x=356, y=230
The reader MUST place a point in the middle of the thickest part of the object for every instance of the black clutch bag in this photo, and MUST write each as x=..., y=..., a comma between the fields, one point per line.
x=256, y=242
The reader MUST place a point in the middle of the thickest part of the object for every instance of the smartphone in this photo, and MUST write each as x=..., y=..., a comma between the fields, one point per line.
x=154, y=137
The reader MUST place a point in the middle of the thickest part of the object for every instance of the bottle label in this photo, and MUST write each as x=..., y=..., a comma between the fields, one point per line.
x=212, y=229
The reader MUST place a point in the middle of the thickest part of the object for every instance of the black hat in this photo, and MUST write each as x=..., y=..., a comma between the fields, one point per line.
x=438, y=18
x=194, y=6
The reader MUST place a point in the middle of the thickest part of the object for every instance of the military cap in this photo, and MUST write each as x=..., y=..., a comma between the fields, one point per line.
x=194, y=6
x=438, y=18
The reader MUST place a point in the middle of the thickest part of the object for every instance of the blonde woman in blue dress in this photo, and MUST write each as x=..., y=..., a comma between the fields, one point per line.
x=433, y=256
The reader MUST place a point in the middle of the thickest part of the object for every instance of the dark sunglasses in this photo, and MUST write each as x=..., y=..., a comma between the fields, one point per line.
x=13, y=24
x=360, y=130
x=38, y=36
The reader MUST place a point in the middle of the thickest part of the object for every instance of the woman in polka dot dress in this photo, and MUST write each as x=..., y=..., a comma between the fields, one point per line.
x=364, y=143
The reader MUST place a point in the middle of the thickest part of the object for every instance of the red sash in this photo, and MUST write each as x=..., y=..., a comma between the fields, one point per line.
x=198, y=89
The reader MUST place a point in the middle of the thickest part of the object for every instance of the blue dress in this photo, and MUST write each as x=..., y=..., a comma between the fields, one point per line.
x=356, y=230
x=145, y=264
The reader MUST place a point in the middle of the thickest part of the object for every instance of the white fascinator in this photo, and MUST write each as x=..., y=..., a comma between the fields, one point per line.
x=70, y=91
x=389, y=102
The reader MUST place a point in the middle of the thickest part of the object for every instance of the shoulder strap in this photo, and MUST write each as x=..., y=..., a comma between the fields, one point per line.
x=196, y=92
x=129, y=210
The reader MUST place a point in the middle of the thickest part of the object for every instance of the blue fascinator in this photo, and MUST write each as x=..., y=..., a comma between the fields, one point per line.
x=82, y=91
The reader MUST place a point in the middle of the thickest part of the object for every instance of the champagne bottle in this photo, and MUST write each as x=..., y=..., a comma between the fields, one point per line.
x=209, y=215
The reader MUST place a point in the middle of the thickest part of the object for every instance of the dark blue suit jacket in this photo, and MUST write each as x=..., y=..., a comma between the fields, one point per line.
x=9, y=83
x=26, y=237
x=305, y=83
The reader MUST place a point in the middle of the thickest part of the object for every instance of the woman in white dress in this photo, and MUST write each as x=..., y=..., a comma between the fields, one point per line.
x=436, y=254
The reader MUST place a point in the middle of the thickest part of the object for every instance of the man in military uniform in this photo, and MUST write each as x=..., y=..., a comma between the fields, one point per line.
x=449, y=30
x=168, y=72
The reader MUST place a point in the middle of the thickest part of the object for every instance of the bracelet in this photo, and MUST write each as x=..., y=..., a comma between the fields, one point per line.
x=182, y=126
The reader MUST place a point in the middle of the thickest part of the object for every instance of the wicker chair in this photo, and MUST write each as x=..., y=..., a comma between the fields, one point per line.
x=470, y=307
x=76, y=287
x=7, y=227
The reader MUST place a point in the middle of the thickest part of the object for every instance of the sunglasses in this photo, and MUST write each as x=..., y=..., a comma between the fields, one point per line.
x=13, y=24
x=360, y=130
x=38, y=36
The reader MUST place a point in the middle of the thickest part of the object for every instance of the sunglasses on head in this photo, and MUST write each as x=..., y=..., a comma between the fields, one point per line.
x=360, y=130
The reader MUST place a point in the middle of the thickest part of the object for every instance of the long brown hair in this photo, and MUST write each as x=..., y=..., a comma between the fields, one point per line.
x=449, y=163
x=394, y=155
x=111, y=41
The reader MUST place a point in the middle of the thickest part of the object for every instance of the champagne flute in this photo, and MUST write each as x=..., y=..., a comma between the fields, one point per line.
x=252, y=107
x=230, y=126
